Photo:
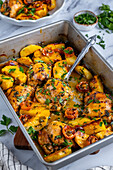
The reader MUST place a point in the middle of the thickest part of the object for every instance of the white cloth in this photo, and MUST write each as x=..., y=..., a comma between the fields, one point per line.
x=102, y=168
x=8, y=161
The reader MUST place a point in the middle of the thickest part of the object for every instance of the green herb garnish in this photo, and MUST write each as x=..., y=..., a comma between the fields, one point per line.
x=21, y=69
x=6, y=121
x=105, y=19
x=85, y=19
x=12, y=70
x=47, y=101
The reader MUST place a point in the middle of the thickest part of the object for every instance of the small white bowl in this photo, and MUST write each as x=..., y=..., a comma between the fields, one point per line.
x=84, y=27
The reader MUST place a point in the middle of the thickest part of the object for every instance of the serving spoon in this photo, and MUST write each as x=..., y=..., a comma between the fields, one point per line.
x=91, y=42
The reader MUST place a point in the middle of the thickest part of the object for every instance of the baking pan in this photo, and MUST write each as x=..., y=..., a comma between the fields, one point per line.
x=59, y=31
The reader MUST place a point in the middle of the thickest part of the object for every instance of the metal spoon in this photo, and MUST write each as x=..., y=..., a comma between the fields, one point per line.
x=91, y=42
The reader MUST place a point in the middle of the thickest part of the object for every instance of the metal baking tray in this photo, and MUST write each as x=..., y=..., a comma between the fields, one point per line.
x=62, y=30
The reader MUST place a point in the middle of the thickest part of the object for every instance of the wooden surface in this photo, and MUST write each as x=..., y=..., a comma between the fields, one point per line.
x=20, y=142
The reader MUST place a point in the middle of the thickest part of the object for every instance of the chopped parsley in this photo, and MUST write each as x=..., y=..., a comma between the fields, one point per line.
x=12, y=70
x=47, y=101
x=21, y=69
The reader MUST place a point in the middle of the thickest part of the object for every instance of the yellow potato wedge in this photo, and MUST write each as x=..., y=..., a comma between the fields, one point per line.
x=96, y=84
x=33, y=111
x=81, y=138
x=79, y=121
x=15, y=72
x=43, y=12
x=25, y=61
x=83, y=71
x=104, y=133
x=6, y=82
x=58, y=154
x=40, y=120
x=60, y=69
x=29, y=50
x=94, y=127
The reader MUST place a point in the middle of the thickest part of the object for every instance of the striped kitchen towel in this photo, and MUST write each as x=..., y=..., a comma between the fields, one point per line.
x=8, y=161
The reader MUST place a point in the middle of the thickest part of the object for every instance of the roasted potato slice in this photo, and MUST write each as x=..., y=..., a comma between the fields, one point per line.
x=96, y=84
x=81, y=139
x=52, y=5
x=15, y=72
x=94, y=127
x=104, y=133
x=60, y=69
x=39, y=120
x=29, y=50
x=69, y=55
x=6, y=82
x=30, y=111
x=24, y=16
x=25, y=61
x=49, y=59
x=53, y=47
x=79, y=121
x=58, y=154
x=43, y=12
x=83, y=71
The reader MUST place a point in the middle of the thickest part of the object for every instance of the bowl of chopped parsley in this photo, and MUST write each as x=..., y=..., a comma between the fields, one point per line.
x=85, y=20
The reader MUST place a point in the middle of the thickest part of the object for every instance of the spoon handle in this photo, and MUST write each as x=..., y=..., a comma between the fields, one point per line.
x=91, y=42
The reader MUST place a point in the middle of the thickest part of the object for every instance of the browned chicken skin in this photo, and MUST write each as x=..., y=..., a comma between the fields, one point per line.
x=18, y=94
x=55, y=94
x=44, y=141
x=97, y=104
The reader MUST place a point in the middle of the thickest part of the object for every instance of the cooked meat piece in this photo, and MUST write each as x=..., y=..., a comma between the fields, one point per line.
x=24, y=118
x=55, y=94
x=6, y=82
x=38, y=73
x=54, y=130
x=39, y=120
x=14, y=9
x=97, y=104
x=16, y=73
x=45, y=142
x=19, y=94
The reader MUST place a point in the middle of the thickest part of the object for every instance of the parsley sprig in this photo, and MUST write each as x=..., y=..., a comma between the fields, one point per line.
x=6, y=121
x=105, y=19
